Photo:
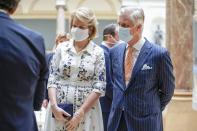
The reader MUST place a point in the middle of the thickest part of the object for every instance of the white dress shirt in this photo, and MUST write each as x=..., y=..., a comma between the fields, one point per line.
x=138, y=46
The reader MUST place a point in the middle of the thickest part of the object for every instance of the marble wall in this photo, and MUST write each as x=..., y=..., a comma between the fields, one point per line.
x=180, y=40
x=194, y=95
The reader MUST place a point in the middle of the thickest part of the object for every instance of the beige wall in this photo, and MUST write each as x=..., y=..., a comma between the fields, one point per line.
x=180, y=116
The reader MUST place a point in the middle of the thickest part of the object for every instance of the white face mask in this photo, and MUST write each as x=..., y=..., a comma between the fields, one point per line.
x=79, y=34
x=124, y=34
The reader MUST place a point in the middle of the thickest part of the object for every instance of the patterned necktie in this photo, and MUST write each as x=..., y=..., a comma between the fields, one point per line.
x=129, y=61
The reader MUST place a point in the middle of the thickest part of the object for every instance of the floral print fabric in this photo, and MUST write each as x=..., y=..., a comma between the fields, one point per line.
x=75, y=76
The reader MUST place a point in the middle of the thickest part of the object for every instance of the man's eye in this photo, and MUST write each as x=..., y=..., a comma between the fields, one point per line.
x=125, y=26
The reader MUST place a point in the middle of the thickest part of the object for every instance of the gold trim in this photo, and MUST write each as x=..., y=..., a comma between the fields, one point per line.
x=180, y=95
x=183, y=93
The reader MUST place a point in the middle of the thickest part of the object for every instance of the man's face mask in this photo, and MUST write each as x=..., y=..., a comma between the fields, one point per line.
x=124, y=34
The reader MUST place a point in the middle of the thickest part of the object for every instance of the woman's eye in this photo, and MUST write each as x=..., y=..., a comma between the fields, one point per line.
x=82, y=27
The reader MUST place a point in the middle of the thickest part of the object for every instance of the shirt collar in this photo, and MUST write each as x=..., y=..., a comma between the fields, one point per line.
x=139, y=44
x=3, y=11
x=88, y=48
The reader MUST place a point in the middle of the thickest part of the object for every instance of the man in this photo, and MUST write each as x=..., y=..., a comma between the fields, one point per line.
x=23, y=68
x=110, y=38
x=142, y=74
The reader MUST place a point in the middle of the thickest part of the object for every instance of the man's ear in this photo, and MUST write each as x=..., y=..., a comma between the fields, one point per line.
x=139, y=27
x=110, y=36
x=11, y=11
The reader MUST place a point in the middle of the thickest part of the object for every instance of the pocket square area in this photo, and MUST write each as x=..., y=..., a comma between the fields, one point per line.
x=146, y=67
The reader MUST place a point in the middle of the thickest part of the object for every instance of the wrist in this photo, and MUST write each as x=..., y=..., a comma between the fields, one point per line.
x=79, y=114
x=53, y=106
x=81, y=110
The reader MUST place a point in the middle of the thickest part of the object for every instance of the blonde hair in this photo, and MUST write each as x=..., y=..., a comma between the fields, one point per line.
x=86, y=15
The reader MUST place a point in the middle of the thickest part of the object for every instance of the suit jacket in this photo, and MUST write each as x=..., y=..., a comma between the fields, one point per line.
x=23, y=75
x=49, y=57
x=107, y=99
x=148, y=91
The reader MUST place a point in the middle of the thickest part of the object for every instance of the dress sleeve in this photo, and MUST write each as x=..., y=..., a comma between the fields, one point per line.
x=54, y=74
x=99, y=80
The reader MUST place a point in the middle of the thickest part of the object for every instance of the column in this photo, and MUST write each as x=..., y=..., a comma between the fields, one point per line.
x=179, y=17
x=194, y=99
x=179, y=34
x=60, y=6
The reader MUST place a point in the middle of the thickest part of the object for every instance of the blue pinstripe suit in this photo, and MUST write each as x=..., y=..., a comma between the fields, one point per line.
x=107, y=99
x=147, y=92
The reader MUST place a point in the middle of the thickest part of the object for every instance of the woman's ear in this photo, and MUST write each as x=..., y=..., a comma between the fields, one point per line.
x=90, y=30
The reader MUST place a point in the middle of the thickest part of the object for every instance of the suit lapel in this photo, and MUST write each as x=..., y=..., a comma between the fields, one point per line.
x=122, y=63
x=144, y=53
x=121, y=56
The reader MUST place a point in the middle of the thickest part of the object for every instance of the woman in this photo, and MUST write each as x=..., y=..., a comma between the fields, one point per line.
x=77, y=77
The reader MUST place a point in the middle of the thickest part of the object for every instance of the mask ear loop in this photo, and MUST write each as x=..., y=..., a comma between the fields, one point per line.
x=107, y=35
x=115, y=41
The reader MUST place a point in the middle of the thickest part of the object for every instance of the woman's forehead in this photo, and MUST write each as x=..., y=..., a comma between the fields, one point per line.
x=76, y=21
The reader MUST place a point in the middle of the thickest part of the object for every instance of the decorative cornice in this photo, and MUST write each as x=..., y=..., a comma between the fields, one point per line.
x=31, y=11
x=53, y=15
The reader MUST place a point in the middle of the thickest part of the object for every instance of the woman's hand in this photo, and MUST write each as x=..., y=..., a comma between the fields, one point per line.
x=74, y=122
x=59, y=113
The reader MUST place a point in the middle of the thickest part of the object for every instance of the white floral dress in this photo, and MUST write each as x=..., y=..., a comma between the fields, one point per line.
x=75, y=76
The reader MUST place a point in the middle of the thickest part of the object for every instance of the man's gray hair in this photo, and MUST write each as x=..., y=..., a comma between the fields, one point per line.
x=136, y=15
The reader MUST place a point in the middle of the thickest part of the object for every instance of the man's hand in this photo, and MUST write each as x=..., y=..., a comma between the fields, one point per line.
x=45, y=103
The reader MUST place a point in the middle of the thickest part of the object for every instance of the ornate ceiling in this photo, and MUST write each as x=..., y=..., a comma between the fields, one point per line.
x=105, y=9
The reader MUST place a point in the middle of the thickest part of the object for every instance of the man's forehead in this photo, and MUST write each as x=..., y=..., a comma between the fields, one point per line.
x=123, y=19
